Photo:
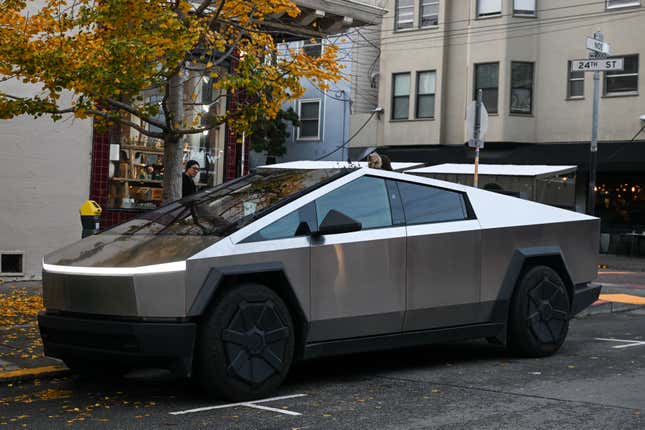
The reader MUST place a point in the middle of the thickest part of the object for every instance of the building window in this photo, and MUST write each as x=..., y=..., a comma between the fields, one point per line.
x=487, y=80
x=426, y=84
x=429, y=12
x=11, y=263
x=400, y=95
x=576, y=84
x=524, y=7
x=404, y=14
x=489, y=7
x=623, y=81
x=309, y=114
x=521, y=87
x=612, y=4
x=313, y=48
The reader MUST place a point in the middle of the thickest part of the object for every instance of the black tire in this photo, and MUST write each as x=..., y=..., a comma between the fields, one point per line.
x=245, y=344
x=539, y=313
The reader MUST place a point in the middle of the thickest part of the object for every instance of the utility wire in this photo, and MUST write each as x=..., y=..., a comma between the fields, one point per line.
x=338, y=148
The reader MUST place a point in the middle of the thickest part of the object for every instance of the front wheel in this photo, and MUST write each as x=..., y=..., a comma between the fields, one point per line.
x=539, y=313
x=245, y=345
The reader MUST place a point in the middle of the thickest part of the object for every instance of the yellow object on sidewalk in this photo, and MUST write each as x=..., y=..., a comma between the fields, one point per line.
x=623, y=298
x=90, y=207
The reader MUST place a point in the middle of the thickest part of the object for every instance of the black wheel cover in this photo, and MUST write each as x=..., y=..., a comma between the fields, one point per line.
x=255, y=342
x=548, y=310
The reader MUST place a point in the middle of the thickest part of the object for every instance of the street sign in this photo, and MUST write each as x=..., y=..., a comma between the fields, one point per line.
x=597, y=65
x=597, y=45
x=470, y=122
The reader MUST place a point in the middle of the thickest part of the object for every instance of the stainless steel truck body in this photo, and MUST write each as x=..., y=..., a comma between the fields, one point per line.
x=232, y=284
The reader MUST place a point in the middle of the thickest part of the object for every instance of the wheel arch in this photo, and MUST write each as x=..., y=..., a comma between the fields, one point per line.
x=272, y=275
x=521, y=261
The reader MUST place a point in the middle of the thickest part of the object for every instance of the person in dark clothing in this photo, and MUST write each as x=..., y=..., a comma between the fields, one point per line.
x=188, y=186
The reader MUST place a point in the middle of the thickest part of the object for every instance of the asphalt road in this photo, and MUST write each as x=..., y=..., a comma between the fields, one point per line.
x=589, y=384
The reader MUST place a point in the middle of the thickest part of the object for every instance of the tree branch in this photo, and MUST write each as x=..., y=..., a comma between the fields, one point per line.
x=130, y=109
x=137, y=127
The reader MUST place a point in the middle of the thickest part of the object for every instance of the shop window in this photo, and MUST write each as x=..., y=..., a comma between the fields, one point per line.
x=521, y=87
x=524, y=8
x=400, y=95
x=613, y=4
x=426, y=84
x=404, y=14
x=487, y=80
x=489, y=8
x=624, y=81
x=309, y=114
x=11, y=263
x=576, y=83
x=429, y=11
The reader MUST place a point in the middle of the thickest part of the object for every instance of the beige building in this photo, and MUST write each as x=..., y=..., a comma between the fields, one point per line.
x=435, y=55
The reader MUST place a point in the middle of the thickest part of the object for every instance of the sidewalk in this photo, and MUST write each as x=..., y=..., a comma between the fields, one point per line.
x=21, y=354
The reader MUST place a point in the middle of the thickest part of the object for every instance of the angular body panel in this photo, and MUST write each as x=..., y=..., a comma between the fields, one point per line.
x=324, y=261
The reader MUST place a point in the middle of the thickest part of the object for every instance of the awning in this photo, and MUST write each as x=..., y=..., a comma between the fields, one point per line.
x=612, y=156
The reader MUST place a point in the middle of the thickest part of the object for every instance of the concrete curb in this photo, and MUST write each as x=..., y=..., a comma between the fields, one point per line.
x=29, y=374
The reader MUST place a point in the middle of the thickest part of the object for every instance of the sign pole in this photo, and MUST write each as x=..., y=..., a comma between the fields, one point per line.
x=478, y=110
x=593, y=159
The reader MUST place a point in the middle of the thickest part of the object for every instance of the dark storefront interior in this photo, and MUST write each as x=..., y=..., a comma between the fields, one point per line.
x=620, y=179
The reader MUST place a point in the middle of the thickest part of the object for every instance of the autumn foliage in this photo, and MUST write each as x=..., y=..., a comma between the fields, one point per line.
x=105, y=54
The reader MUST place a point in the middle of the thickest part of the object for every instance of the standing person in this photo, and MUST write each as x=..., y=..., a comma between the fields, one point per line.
x=188, y=186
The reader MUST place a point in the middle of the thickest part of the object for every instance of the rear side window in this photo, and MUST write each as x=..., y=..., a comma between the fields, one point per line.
x=365, y=199
x=423, y=204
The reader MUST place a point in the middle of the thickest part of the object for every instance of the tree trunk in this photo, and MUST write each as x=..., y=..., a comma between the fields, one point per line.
x=173, y=148
x=173, y=154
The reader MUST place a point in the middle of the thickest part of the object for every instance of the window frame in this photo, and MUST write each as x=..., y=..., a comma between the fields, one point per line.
x=475, y=88
x=531, y=92
x=525, y=13
x=418, y=94
x=428, y=3
x=308, y=44
x=298, y=134
x=490, y=14
x=570, y=79
x=606, y=75
x=397, y=16
x=395, y=97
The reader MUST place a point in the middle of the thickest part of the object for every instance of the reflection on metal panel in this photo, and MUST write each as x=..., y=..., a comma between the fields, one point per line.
x=358, y=274
x=90, y=294
x=443, y=270
x=293, y=254
x=578, y=242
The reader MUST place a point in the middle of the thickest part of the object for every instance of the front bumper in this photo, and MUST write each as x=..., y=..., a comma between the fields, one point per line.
x=138, y=343
x=583, y=296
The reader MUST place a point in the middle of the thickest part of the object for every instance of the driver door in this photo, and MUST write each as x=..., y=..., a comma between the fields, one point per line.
x=358, y=278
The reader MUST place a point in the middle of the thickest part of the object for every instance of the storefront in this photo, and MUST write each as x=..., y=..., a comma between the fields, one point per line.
x=620, y=179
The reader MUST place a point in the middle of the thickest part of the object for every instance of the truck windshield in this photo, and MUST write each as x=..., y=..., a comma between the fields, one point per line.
x=182, y=228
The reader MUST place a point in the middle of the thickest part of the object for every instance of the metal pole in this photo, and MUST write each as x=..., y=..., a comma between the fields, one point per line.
x=478, y=110
x=593, y=159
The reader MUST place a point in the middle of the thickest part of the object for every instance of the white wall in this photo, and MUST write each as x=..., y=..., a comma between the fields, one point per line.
x=44, y=179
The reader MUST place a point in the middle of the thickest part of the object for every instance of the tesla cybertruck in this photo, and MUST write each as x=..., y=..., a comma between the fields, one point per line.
x=233, y=284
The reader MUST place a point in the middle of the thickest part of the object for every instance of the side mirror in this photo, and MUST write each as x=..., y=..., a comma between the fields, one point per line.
x=337, y=222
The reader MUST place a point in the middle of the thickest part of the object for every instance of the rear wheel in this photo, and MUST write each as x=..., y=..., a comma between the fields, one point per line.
x=539, y=313
x=246, y=343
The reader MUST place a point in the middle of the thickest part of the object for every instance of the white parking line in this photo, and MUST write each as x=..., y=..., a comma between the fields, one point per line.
x=248, y=404
x=628, y=343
